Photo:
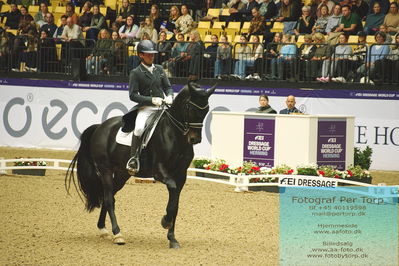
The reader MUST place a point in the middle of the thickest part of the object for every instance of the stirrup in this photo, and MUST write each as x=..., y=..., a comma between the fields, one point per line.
x=133, y=165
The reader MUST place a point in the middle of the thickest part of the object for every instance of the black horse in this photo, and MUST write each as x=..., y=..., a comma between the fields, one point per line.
x=101, y=162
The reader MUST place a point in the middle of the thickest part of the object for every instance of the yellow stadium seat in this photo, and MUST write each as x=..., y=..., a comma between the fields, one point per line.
x=217, y=27
x=5, y=8
x=33, y=9
x=370, y=39
x=225, y=12
x=103, y=10
x=214, y=12
x=300, y=41
x=58, y=50
x=60, y=9
x=245, y=27
x=12, y=31
x=169, y=36
x=277, y=27
x=233, y=28
x=203, y=27
x=353, y=39
x=111, y=4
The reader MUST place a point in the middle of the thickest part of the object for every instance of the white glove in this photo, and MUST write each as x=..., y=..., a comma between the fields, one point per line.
x=169, y=100
x=157, y=101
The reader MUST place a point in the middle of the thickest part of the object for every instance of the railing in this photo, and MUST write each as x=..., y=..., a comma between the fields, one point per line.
x=365, y=64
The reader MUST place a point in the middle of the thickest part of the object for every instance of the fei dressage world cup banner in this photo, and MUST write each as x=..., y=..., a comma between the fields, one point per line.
x=52, y=114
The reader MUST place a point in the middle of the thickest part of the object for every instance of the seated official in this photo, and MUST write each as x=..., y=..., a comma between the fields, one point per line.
x=290, y=102
x=264, y=105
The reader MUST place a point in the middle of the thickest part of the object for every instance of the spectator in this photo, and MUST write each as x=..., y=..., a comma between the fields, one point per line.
x=47, y=51
x=305, y=23
x=174, y=14
x=374, y=20
x=155, y=17
x=334, y=20
x=322, y=52
x=321, y=23
x=172, y=66
x=361, y=8
x=223, y=58
x=273, y=50
x=114, y=27
x=330, y=4
x=376, y=54
x=25, y=16
x=341, y=66
x=119, y=54
x=383, y=29
x=289, y=14
x=350, y=22
x=184, y=23
x=49, y=27
x=286, y=57
x=125, y=11
x=85, y=18
x=40, y=16
x=13, y=17
x=193, y=55
x=291, y=109
x=359, y=55
x=234, y=6
x=58, y=32
x=256, y=59
x=393, y=63
x=383, y=3
x=258, y=23
x=391, y=20
x=245, y=13
x=242, y=54
x=29, y=55
x=148, y=27
x=306, y=53
x=70, y=12
x=97, y=23
x=264, y=105
x=4, y=49
x=268, y=9
x=164, y=48
x=96, y=63
x=73, y=38
x=128, y=31
x=210, y=57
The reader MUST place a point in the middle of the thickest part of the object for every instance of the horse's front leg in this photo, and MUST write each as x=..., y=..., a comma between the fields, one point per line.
x=169, y=220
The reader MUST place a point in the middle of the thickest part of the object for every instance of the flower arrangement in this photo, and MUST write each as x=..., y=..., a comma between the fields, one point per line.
x=29, y=163
x=355, y=173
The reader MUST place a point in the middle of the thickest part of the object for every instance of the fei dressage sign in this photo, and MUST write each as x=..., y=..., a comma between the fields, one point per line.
x=307, y=181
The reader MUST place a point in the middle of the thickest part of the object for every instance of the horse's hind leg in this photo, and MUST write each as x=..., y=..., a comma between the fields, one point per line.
x=104, y=233
x=109, y=205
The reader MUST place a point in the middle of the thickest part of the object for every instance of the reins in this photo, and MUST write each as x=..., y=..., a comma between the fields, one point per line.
x=185, y=126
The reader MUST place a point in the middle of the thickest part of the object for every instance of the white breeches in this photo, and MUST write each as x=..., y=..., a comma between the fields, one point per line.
x=142, y=115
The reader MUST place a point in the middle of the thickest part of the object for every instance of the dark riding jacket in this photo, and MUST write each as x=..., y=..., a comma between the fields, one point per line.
x=143, y=85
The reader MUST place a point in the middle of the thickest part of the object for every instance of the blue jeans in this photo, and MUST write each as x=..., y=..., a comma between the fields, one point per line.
x=222, y=67
x=240, y=66
x=94, y=64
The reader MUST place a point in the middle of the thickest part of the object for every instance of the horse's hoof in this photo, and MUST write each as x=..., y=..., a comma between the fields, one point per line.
x=119, y=240
x=174, y=245
x=165, y=224
x=104, y=233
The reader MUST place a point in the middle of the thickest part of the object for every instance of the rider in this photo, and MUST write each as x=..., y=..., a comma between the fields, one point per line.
x=149, y=87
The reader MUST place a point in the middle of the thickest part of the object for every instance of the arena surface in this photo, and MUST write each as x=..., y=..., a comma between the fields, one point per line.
x=42, y=225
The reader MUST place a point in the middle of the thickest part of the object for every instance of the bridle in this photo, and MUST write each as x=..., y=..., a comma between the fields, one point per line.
x=185, y=126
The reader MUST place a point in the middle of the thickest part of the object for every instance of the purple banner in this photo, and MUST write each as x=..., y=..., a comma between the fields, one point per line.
x=259, y=140
x=331, y=143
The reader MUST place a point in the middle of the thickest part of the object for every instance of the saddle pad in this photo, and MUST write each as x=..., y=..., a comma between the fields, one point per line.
x=124, y=138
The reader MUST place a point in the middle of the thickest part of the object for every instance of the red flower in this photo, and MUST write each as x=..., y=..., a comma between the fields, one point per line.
x=321, y=172
x=208, y=168
x=290, y=171
x=337, y=176
x=223, y=167
x=350, y=173
x=255, y=168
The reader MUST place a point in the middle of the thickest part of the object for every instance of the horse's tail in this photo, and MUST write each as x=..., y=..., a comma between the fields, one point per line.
x=87, y=174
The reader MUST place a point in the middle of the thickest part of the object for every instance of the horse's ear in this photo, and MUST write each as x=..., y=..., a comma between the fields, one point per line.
x=211, y=90
x=191, y=88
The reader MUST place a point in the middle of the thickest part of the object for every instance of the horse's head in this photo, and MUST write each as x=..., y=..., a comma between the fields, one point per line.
x=191, y=106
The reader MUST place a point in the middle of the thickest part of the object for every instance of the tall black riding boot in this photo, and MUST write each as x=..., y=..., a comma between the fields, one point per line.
x=133, y=165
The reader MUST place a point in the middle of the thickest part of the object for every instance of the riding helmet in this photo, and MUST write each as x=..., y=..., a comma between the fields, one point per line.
x=146, y=46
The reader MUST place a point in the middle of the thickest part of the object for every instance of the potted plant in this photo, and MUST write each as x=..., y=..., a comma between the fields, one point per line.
x=30, y=171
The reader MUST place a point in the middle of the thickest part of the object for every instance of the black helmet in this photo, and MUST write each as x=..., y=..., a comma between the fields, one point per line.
x=146, y=46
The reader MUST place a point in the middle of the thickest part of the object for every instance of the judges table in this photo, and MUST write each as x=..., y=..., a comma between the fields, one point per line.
x=271, y=140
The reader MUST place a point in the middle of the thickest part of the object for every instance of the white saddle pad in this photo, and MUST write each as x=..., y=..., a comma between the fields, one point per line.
x=124, y=138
